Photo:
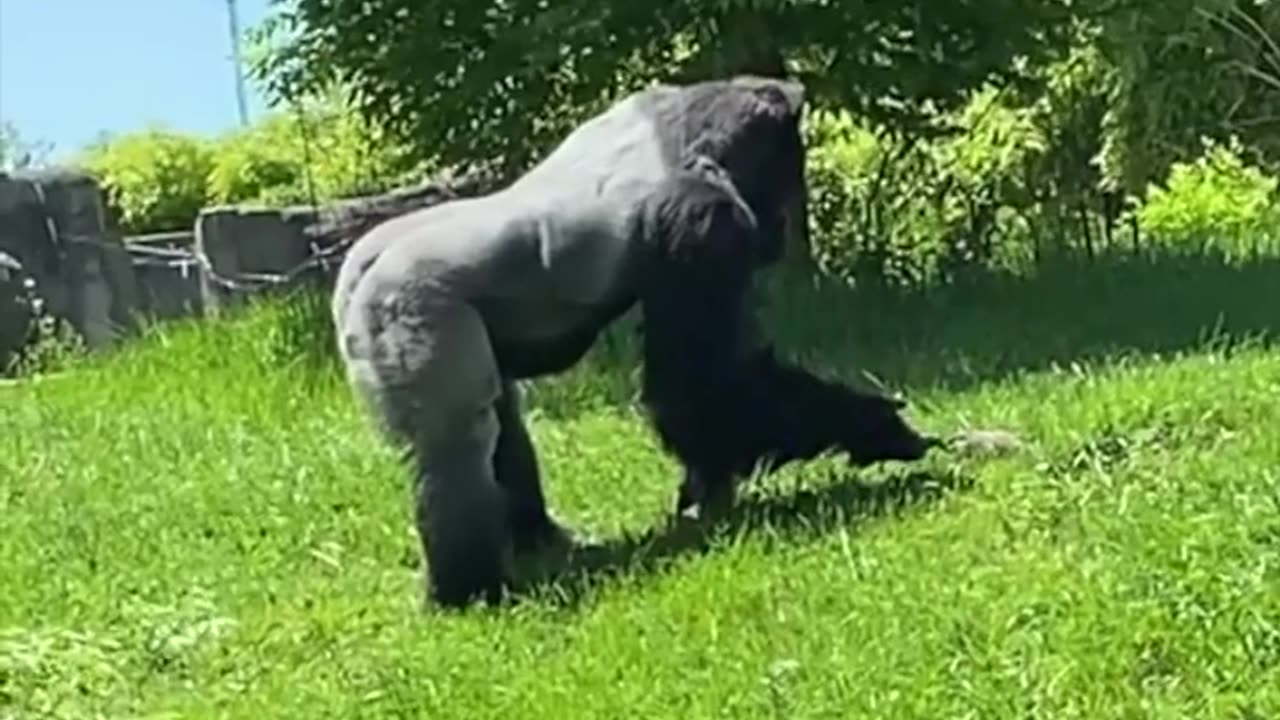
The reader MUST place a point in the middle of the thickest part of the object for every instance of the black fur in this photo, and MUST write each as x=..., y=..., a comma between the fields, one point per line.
x=754, y=136
x=720, y=403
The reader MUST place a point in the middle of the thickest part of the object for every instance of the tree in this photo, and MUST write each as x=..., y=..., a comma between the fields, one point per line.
x=493, y=84
x=19, y=154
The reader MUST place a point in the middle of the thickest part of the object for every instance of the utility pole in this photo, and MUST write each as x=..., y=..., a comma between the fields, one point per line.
x=233, y=21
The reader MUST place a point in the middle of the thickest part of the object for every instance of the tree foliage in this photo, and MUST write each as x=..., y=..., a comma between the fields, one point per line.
x=154, y=180
x=1155, y=129
x=499, y=81
x=19, y=153
x=1217, y=200
x=1179, y=70
x=316, y=151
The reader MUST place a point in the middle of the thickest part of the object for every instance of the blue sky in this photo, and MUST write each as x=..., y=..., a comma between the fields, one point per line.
x=70, y=69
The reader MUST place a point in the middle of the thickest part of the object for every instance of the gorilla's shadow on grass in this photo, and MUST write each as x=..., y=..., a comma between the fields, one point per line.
x=993, y=326
x=847, y=501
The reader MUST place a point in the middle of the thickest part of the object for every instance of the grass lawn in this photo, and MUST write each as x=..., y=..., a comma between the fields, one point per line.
x=205, y=526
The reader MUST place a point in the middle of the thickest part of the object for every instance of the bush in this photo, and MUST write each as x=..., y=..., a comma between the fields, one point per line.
x=49, y=344
x=1215, y=202
x=912, y=210
x=327, y=149
x=159, y=180
x=154, y=180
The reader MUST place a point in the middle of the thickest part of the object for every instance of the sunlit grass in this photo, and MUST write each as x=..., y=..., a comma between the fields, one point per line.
x=204, y=526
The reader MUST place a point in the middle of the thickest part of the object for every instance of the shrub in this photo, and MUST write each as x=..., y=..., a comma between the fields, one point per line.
x=911, y=210
x=158, y=180
x=49, y=344
x=154, y=180
x=1216, y=201
x=327, y=149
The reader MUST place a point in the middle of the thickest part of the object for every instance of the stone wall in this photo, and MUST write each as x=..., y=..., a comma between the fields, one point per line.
x=168, y=275
x=244, y=251
x=54, y=231
x=53, y=227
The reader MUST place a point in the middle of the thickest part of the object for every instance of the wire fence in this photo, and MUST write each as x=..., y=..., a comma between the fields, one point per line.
x=190, y=261
x=334, y=229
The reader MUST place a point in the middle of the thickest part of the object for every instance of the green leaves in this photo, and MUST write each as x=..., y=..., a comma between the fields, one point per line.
x=1217, y=200
x=154, y=179
x=502, y=82
x=159, y=180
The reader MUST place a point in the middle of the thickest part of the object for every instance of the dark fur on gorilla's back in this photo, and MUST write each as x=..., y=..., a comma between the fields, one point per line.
x=671, y=198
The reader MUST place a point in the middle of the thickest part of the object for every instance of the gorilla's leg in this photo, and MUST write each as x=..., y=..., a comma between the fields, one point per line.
x=515, y=465
x=423, y=362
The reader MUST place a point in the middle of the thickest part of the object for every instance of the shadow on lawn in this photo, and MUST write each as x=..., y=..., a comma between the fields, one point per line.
x=989, y=327
x=1068, y=311
x=848, y=501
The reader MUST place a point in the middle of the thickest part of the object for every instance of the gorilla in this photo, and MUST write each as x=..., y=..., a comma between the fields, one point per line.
x=670, y=200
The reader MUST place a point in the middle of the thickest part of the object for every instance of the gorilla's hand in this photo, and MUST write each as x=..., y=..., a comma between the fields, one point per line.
x=876, y=431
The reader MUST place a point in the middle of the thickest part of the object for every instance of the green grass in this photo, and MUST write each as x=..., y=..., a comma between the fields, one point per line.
x=204, y=526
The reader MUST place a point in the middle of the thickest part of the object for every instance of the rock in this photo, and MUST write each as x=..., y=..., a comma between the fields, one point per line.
x=983, y=442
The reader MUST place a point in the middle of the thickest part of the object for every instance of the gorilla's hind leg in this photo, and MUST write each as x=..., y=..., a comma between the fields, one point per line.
x=515, y=465
x=422, y=360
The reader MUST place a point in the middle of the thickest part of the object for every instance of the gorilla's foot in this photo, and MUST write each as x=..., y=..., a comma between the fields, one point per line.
x=462, y=524
x=537, y=532
x=704, y=498
x=462, y=569
x=543, y=553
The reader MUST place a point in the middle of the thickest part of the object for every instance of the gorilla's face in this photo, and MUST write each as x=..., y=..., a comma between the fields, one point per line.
x=751, y=127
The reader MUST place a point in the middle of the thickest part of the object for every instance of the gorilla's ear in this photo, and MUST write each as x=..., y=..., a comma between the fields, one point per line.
x=714, y=175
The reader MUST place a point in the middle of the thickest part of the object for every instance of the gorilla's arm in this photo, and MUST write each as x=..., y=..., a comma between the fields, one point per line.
x=718, y=397
x=721, y=400
x=788, y=413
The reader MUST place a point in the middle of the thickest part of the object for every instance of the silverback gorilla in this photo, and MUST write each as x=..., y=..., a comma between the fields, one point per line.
x=670, y=199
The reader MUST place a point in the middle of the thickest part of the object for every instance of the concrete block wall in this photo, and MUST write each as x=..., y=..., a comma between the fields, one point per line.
x=54, y=230
x=168, y=275
x=53, y=225
x=246, y=251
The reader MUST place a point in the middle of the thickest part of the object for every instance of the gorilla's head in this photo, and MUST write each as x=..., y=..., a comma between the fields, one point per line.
x=751, y=126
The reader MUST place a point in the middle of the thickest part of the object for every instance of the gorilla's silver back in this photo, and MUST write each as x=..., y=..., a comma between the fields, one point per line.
x=555, y=234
